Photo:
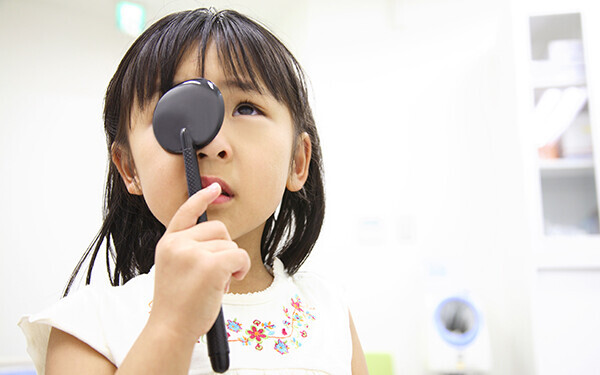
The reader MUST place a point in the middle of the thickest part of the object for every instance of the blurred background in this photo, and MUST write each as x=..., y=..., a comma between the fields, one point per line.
x=458, y=141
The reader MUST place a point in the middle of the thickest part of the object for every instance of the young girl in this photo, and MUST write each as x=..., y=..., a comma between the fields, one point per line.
x=265, y=204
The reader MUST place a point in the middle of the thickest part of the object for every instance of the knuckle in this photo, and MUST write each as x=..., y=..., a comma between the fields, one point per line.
x=220, y=227
x=167, y=242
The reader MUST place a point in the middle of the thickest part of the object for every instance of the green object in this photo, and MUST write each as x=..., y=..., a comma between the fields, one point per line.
x=130, y=18
x=379, y=363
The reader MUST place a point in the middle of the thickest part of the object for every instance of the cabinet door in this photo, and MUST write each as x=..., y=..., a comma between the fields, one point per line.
x=562, y=124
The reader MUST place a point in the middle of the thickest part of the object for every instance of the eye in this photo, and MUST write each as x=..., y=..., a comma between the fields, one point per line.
x=247, y=109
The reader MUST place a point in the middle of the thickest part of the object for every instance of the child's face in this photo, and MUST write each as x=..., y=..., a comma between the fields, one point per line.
x=252, y=155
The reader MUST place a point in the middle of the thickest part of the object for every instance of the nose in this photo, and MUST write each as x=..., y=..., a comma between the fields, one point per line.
x=219, y=148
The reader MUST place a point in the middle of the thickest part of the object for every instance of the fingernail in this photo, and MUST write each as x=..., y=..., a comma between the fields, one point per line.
x=213, y=187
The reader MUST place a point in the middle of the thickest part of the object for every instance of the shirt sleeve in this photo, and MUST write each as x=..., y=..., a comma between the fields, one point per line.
x=76, y=314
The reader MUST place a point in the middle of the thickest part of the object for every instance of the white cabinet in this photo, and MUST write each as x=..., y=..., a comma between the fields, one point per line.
x=558, y=74
x=558, y=91
x=561, y=125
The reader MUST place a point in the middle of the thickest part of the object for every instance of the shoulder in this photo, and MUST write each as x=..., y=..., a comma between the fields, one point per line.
x=326, y=298
x=314, y=282
x=327, y=295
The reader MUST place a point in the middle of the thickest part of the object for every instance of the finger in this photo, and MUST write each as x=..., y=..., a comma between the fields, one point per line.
x=187, y=215
x=236, y=262
x=218, y=245
x=208, y=230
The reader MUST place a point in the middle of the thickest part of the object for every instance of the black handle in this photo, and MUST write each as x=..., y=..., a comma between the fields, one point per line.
x=216, y=338
x=192, y=172
x=218, y=347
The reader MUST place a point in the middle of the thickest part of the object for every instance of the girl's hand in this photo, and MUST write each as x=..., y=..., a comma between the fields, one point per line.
x=194, y=264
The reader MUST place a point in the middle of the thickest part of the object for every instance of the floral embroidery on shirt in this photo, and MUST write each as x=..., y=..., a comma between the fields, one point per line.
x=281, y=347
x=255, y=334
x=294, y=327
x=234, y=325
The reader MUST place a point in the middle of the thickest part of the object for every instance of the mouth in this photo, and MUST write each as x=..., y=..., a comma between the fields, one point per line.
x=226, y=191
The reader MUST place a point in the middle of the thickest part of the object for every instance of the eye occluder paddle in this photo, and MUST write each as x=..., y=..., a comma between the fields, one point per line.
x=187, y=118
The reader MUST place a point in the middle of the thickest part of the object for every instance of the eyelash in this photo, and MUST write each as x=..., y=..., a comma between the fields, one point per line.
x=248, y=104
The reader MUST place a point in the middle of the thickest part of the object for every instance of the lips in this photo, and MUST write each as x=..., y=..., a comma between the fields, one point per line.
x=225, y=189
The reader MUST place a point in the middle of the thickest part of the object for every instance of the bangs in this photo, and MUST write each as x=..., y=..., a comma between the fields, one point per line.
x=249, y=55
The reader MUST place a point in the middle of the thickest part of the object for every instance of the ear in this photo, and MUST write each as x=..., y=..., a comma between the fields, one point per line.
x=124, y=165
x=300, y=163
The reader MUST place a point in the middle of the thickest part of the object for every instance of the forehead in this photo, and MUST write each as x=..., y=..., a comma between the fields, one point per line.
x=210, y=66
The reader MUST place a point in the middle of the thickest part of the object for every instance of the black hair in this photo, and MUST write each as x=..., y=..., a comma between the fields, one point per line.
x=247, y=51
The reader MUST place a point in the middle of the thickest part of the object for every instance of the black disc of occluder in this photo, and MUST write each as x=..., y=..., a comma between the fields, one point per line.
x=196, y=105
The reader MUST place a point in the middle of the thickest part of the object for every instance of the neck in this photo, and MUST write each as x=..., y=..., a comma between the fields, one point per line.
x=258, y=278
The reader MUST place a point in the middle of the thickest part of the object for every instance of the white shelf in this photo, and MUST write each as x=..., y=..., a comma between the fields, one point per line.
x=547, y=74
x=567, y=167
x=569, y=253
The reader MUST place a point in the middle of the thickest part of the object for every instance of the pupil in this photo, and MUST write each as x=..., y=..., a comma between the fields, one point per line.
x=245, y=110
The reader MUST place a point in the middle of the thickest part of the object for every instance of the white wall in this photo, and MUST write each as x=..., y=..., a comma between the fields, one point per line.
x=437, y=176
x=415, y=104
x=55, y=60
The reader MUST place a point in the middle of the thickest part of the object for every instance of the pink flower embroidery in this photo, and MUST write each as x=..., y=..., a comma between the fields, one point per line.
x=255, y=334
x=296, y=304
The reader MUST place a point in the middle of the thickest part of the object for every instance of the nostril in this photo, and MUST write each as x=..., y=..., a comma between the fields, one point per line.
x=221, y=155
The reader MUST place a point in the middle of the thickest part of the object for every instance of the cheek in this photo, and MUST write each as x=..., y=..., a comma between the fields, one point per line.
x=161, y=176
x=272, y=174
x=164, y=194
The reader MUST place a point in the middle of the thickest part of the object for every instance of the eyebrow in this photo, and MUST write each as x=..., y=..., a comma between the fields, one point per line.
x=246, y=86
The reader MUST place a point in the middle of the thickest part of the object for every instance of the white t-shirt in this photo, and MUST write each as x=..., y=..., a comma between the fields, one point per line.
x=299, y=325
